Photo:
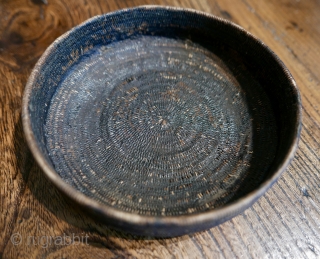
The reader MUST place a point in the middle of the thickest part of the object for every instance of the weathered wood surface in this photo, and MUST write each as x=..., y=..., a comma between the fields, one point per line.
x=284, y=223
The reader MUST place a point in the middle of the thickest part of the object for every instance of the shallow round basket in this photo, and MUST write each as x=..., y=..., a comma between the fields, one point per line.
x=161, y=121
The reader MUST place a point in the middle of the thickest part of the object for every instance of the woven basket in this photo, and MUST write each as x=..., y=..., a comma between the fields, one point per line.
x=161, y=121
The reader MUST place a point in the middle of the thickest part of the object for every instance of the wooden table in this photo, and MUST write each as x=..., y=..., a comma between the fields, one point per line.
x=284, y=223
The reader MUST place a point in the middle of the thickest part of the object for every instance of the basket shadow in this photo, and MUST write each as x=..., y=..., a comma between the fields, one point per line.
x=58, y=204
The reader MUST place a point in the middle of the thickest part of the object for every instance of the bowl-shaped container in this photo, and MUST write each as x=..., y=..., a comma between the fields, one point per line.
x=161, y=121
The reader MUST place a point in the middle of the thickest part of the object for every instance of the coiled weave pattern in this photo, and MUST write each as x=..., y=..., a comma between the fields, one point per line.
x=158, y=126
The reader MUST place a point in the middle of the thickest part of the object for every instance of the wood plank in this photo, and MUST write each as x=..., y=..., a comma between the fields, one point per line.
x=284, y=223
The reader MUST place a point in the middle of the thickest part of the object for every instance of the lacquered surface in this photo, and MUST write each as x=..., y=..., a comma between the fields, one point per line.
x=283, y=223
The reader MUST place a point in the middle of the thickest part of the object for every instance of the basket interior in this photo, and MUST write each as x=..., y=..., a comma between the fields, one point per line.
x=162, y=112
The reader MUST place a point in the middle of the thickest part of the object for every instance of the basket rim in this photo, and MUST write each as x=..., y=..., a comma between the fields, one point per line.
x=183, y=221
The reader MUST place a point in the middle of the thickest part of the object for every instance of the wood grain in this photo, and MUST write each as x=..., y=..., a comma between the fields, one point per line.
x=284, y=223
